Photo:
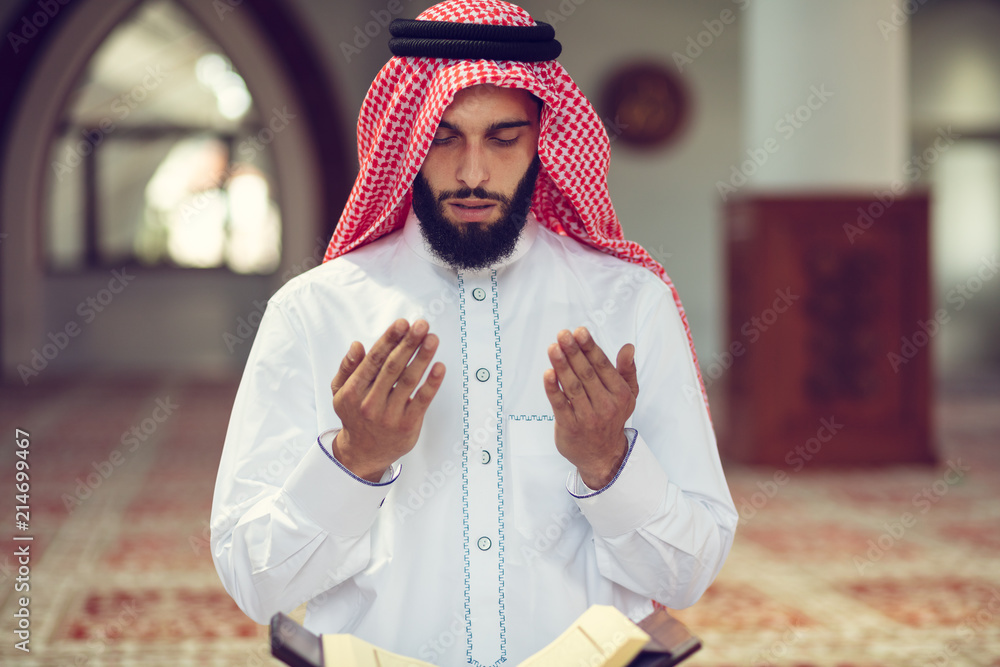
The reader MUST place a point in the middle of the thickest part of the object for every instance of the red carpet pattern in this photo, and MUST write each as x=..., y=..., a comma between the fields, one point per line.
x=832, y=568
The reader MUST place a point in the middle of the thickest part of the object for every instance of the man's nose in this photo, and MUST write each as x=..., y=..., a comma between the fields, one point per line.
x=472, y=168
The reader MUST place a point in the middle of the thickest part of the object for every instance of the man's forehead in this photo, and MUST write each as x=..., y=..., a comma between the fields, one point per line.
x=485, y=101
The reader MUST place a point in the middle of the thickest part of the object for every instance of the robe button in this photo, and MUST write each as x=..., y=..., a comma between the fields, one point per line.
x=485, y=457
x=485, y=543
x=479, y=294
x=482, y=375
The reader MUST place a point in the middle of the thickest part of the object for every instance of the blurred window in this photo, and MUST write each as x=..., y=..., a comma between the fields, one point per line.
x=161, y=158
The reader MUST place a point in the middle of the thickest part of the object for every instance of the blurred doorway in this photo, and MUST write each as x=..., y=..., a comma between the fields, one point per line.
x=955, y=122
x=966, y=246
x=169, y=176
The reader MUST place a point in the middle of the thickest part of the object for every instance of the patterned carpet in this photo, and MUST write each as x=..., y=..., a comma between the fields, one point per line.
x=893, y=566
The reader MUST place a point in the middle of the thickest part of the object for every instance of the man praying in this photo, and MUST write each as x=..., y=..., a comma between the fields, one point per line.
x=436, y=443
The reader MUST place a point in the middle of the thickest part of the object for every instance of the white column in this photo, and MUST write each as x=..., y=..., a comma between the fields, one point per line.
x=825, y=94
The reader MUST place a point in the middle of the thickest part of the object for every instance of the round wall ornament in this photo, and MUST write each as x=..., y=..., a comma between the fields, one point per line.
x=644, y=104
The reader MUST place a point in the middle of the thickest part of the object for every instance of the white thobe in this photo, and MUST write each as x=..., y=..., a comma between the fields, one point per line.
x=482, y=544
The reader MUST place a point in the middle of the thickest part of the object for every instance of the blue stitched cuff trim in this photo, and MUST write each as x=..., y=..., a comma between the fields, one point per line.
x=392, y=471
x=631, y=434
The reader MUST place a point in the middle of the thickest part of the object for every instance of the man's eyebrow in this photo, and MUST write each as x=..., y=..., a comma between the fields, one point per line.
x=499, y=125
x=506, y=124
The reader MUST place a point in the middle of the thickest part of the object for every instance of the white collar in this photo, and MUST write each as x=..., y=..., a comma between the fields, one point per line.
x=414, y=238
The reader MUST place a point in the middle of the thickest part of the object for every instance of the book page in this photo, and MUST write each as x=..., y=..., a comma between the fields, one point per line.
x=601, y=637
x=349, y=651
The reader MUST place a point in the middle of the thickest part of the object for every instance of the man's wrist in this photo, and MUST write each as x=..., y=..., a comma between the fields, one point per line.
x=599, y=476
x=343, y=452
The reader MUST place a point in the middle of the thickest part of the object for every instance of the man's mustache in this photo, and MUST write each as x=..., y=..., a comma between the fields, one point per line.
x=473, y=193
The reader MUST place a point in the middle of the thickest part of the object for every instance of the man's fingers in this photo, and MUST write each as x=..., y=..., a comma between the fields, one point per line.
x=377, y=356
x=589, y=363
x=561, y=407
x=407, y=382
x=626, y=367
x=596, y=357
x=417, y=406
x=355, y=355
x=570, y=384
x=396, y=363
x=577, y=360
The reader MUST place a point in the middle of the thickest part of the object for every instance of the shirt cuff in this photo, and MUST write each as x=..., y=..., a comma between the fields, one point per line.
x=575, y=484
x=628, y=500
x=340, y=501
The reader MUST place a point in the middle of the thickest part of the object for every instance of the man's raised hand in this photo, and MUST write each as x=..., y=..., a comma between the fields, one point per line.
x=591, y=401
x=373, y=394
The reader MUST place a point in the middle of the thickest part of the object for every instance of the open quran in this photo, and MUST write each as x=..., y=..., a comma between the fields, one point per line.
x=601, y=637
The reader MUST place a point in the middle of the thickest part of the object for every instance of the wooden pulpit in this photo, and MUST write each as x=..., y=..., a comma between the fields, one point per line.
x=828, y=357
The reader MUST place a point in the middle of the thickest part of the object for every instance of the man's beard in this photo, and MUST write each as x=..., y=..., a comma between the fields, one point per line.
x=474, y=245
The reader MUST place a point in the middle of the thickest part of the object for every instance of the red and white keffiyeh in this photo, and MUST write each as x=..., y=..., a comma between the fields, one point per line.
x=400, y=116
